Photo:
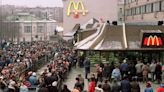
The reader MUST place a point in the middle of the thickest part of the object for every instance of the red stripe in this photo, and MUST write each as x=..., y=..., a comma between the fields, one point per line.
x=145, y=41
x=160, y=41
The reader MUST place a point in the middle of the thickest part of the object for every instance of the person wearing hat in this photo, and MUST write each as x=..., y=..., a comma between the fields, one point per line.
x=124, y=68
x=33, y=79
x=53, y=88
x=148, y=87
x=161, y=88
x=11, y=87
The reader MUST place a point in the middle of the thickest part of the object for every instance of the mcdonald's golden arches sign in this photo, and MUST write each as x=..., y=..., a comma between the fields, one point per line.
x=76, y=8
x=153, y=40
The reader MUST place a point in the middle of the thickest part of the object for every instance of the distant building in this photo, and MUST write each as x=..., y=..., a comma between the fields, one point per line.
x=144, y=10
x=32, y=28
x=55, y=13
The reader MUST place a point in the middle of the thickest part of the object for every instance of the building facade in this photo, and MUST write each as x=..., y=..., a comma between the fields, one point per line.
x=36, y=30
x=32, y=28
x=80, y=11
x=144, y=10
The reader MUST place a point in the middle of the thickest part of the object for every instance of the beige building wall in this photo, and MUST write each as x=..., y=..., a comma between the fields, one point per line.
x=144, y=10
x=120, y=11
x=44, y=35
x=105, y=9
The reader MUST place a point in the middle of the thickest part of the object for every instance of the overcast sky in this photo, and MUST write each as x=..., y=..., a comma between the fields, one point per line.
x=34, y=3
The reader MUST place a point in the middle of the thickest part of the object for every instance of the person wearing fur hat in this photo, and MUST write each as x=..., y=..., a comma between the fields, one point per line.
x=11, y=87
x=148, y=88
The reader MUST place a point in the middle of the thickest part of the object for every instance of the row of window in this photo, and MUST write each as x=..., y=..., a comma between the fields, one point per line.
x=148, y=8
x=27, y=29
x=130, y=1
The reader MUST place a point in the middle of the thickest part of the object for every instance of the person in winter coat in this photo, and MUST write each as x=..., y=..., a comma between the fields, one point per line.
x=43, y=88
x=78, y=84
x=86, y=67
x=158, y=72
x=11, y=87
x=115, y=87
x=148, y=88
x=53, y=88
x=145, y=71
x=92, y=85
x=116, y=74
x=65, y=89
x=125, y=85
x=106, y=71
x=98, y=88
x=23, y=88
x=81, y=80
x=33, y=79
x=152, y=69
x=106, y=87
x=161, y=88
x=124, y=68
x=135, y=85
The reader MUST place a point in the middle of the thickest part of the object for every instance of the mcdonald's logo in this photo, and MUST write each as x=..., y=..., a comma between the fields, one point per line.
x=153, y=41
x=78, y=8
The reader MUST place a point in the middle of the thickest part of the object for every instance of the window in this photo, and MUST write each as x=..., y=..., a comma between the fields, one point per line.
x=27, y=29
x=120, y=19
x=40, y=29
x=148, y=8
x=120, y=10
x=156, y=6
x=162, y=5
x=138, y=10
x=129, y=12
x=143, y=9
x=133, y=11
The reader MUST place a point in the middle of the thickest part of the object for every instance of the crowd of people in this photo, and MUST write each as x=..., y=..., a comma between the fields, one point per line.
x=123, y=77
x=18, y=64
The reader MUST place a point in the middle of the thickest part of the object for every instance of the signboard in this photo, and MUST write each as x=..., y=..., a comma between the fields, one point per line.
x=153, y=40
x=78, y=8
